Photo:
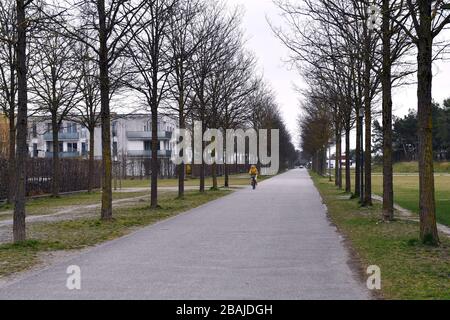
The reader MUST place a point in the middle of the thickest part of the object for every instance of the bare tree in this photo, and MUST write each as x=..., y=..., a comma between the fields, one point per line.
x=104, y=26
x=395, y=46
x=315, y=125
x=19, y=232
x=239, y=84
x=87, y=113
x=424, y=22
x=230, y=81
x=147, y=51
x=182, y=45
x=8, y=82
x=54, y=84
x=214, y=28
x=265, y=113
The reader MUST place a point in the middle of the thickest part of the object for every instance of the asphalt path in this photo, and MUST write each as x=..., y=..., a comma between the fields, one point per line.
x=274, y=242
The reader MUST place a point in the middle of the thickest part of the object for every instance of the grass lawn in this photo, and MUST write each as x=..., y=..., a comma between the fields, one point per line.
x=238, y=180
x=46, y=205
x=406, y=194
x=81, y=233
x=413, y=167
x=409, y=270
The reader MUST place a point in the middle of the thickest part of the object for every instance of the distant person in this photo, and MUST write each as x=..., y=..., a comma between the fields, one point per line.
x=253, y=172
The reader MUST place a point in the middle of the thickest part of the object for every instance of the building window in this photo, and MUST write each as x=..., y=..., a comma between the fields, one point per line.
x=115, y=149
x=148, y=126
x=83, y=148
x=147, y=145
x=72, y=147
x=72, y=127
x=34, y=130
x=35, y=150
x=114, y=128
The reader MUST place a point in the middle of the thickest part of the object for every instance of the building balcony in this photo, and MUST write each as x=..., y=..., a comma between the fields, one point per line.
x=147, y=135
x=64, y=155
x=148, y=153
x=63, y=136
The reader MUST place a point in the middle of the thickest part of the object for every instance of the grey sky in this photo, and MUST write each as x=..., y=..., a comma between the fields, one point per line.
x=271, y=54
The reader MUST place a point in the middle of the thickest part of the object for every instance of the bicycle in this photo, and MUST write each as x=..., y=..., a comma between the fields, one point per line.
x=253, y=182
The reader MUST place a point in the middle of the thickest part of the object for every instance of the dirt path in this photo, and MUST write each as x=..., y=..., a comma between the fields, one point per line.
x=406, y=214
x=64, y=213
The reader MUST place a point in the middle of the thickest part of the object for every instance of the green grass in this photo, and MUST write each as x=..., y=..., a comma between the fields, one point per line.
x=235, y=180
x=81, y=233
x=406, y=193
x=413, y=167
x=409, y=269
x=47, y=205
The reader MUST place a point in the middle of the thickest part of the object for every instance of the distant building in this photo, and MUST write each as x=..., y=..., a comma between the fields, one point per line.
x=130, y=138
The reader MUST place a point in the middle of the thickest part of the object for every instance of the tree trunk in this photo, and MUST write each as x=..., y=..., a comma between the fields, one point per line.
x=386, y=82
x=428, y=228
x=368, y=129
x=55, y=160
x=339, y=162
x=202, y=166
x=226, y=176
x=225, y=166
x=358, y=156
x=181, y=166
x=323, y=161
x=336, y=160
x=11, y=156
x=214, y=176
x=154, y=160
x=106, y=212
x=348, y=183
x=19, y=232
x=91, y=160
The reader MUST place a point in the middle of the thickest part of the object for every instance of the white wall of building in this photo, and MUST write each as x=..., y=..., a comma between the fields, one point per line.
x=123, y=124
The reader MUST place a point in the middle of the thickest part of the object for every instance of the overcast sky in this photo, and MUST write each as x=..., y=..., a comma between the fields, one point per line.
x=271, y=55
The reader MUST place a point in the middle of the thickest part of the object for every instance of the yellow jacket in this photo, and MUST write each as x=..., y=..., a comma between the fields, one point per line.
x=253, y=171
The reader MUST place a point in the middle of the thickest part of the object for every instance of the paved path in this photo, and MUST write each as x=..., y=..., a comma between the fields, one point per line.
x=272, y=243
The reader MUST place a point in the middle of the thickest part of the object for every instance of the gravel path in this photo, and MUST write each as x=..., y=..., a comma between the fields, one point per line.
x=65, y=213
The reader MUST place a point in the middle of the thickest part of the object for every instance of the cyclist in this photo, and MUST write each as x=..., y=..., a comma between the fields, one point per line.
x=253, y=172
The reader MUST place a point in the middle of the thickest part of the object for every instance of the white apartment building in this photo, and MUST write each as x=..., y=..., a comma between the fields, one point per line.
x=130, y=138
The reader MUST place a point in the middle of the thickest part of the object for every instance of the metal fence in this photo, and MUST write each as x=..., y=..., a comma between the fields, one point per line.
x=140, y=168
x=74, y=173
x=74, y=176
